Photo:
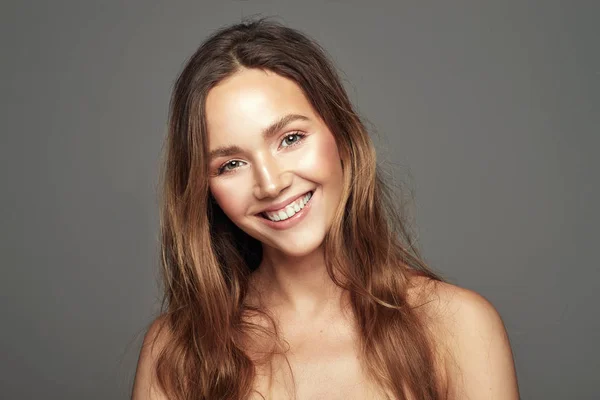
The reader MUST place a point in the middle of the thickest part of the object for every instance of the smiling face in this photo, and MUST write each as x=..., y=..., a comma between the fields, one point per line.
x=274, y=165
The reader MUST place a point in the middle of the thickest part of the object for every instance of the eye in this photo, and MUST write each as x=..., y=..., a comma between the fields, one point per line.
x=230, y=166
x=292, y=139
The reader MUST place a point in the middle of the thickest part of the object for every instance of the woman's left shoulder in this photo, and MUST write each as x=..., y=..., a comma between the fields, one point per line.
x=452, y=305
x=455, y=308
x=470, y=332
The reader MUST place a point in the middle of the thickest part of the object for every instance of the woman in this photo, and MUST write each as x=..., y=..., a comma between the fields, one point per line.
x=287, y=272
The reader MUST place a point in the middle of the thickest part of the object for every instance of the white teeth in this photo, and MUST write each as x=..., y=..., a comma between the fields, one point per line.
x=307, y=197
x=290, y=210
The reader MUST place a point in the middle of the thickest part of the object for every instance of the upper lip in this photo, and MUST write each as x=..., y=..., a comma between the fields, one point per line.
x=283, y=203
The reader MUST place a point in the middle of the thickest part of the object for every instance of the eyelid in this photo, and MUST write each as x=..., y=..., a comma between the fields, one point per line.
x=221, y=169
x=300, y=134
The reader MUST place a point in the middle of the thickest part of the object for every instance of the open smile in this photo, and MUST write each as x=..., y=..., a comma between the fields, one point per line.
x=290, y=214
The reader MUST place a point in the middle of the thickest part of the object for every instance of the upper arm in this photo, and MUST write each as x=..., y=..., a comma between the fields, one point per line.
x=481, y=364
x=145, y=385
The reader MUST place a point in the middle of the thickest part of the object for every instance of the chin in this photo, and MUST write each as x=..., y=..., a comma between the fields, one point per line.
x=298, y=249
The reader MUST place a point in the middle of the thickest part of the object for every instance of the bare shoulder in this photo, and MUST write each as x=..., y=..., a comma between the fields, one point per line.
x=145, y=385
x=470, y=334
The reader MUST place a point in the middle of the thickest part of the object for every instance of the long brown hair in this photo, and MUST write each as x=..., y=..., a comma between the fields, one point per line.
x=207, y=260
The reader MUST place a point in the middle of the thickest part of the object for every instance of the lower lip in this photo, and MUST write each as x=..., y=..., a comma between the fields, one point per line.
x=293, y=220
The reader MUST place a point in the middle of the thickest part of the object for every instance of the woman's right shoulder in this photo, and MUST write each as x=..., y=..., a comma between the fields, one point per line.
x=145, y=385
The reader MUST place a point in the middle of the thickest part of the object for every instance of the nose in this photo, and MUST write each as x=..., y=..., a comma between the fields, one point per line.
x=271, y=178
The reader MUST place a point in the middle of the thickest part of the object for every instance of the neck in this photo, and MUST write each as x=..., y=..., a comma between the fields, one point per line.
x=300, y=285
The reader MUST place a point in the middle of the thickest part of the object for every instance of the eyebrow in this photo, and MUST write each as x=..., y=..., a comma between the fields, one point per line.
x=266, y=134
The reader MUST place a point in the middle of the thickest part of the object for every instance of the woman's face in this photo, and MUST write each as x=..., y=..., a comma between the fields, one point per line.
x=274, y=165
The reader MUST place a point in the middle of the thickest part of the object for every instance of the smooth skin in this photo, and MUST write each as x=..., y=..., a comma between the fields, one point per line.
x=254, y=168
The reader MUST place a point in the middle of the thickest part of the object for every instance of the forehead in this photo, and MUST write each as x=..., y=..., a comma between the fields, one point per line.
x=249, y=101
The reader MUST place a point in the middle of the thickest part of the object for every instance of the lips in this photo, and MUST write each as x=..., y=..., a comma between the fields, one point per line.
x=289, y=210
x=282, y=204
x=290, y=222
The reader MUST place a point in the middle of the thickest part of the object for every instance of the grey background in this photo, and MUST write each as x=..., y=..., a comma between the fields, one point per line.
x=488, y=109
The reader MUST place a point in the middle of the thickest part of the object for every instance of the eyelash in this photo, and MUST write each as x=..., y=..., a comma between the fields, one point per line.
x=300, y=136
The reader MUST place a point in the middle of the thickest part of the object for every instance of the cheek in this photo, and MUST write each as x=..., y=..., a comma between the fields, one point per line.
x=322, y=162
x=230, y=198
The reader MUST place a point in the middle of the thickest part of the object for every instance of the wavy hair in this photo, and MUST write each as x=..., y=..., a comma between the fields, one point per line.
x=207, y=260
